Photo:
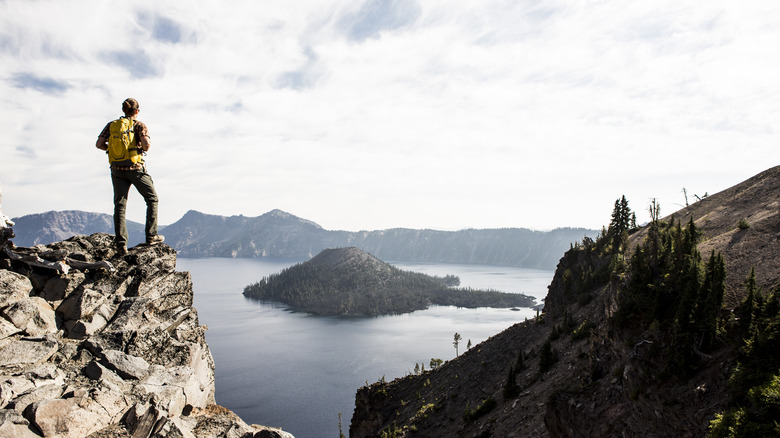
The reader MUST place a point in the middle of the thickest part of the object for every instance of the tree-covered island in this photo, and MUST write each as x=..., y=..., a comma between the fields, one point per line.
x=349, y=281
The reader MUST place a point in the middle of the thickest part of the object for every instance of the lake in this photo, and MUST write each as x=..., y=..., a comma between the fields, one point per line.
x=292, y=370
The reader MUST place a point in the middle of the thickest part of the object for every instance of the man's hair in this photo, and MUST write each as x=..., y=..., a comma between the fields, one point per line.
x=130, y=106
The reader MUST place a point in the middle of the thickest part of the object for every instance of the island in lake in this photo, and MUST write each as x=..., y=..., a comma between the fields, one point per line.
x=349, y=281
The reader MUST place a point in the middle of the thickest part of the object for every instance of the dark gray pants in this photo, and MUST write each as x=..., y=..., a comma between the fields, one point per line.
x=122, y=180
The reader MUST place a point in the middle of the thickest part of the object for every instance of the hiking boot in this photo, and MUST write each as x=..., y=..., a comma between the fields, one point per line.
x=121, y=250
x=154, y=240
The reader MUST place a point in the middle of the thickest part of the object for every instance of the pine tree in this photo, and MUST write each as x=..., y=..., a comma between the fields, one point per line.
x=620, y=224
x=510, y=387
x=748, y=306
x=713, y=288
x=546, y=357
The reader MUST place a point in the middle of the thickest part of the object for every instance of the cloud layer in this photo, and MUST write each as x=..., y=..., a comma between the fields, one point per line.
x=391, y=113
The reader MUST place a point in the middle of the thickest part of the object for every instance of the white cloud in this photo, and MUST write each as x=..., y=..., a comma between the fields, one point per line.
x=366, y=115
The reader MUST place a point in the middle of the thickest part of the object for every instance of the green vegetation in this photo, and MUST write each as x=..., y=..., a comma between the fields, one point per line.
x=483, y=408
x=368, y=289
x=755, y=381
x=456, y=341
x=583, y=331
x=591, y=264
x=669, y=286
x=666, y=289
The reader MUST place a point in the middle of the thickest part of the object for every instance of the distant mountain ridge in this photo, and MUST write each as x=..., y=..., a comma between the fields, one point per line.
x=54, y=226
x=281, y=234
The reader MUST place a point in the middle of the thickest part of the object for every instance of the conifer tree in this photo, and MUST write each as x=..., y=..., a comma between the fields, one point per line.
x=620, y=224
x=510, y=387
x=748, y=306
x=546, y=356
x=713, y=288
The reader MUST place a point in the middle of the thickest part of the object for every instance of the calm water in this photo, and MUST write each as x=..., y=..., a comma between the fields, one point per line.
x=292, y=370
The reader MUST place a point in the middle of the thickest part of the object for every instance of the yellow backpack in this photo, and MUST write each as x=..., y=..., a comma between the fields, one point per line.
x=122, y=144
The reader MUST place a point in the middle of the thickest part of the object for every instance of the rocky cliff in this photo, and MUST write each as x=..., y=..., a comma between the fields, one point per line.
x=97, y=345
x=579, y=370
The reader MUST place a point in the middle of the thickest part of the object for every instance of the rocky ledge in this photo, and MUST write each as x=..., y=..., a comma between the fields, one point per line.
x=94, y=344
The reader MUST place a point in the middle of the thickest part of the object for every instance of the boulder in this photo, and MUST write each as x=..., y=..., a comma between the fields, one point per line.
x=33, y=315
x=13, y=287
x=7, y=329
x=37, y=394
x=28, y=351
x=14, y=425
x=81, y=304
x=96, y=371
x=58, y=288
x=125, y=365
x=79, y=413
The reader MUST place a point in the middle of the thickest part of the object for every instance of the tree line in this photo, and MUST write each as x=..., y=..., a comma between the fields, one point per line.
x=361, y=290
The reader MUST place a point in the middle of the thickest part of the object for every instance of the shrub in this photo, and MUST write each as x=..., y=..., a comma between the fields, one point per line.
x=583, y=331
x=743, y=224
x=486, y=406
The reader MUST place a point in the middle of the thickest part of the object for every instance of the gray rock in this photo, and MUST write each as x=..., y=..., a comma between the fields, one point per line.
x=33, y=315
x=28, y=351
x=79, y=415
x=80, y=304
x=49, y=391
x=59, y=287
x=125, y=365
x=96, y=371
x=13, y=425
x=13, y=287
x=7, y=329
x=11, y=387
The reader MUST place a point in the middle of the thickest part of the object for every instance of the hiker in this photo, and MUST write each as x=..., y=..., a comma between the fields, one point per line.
x=125, y=141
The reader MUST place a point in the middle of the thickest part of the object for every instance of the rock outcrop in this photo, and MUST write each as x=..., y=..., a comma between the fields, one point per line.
x=97, y=345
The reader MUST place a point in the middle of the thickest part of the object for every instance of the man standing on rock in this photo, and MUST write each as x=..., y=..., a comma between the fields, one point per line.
x=126, y=140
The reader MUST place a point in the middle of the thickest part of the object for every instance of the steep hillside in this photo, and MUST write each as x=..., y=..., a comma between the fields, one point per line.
x=54, y=226
x=641, y=336
x=753, y=243
x=349, y=281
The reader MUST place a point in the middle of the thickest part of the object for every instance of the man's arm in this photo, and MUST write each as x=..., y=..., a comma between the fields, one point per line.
x=142, y=133
x=145, y=142
x=102, y=141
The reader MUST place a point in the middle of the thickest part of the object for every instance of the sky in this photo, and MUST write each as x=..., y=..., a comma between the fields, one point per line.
x=368, y=115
